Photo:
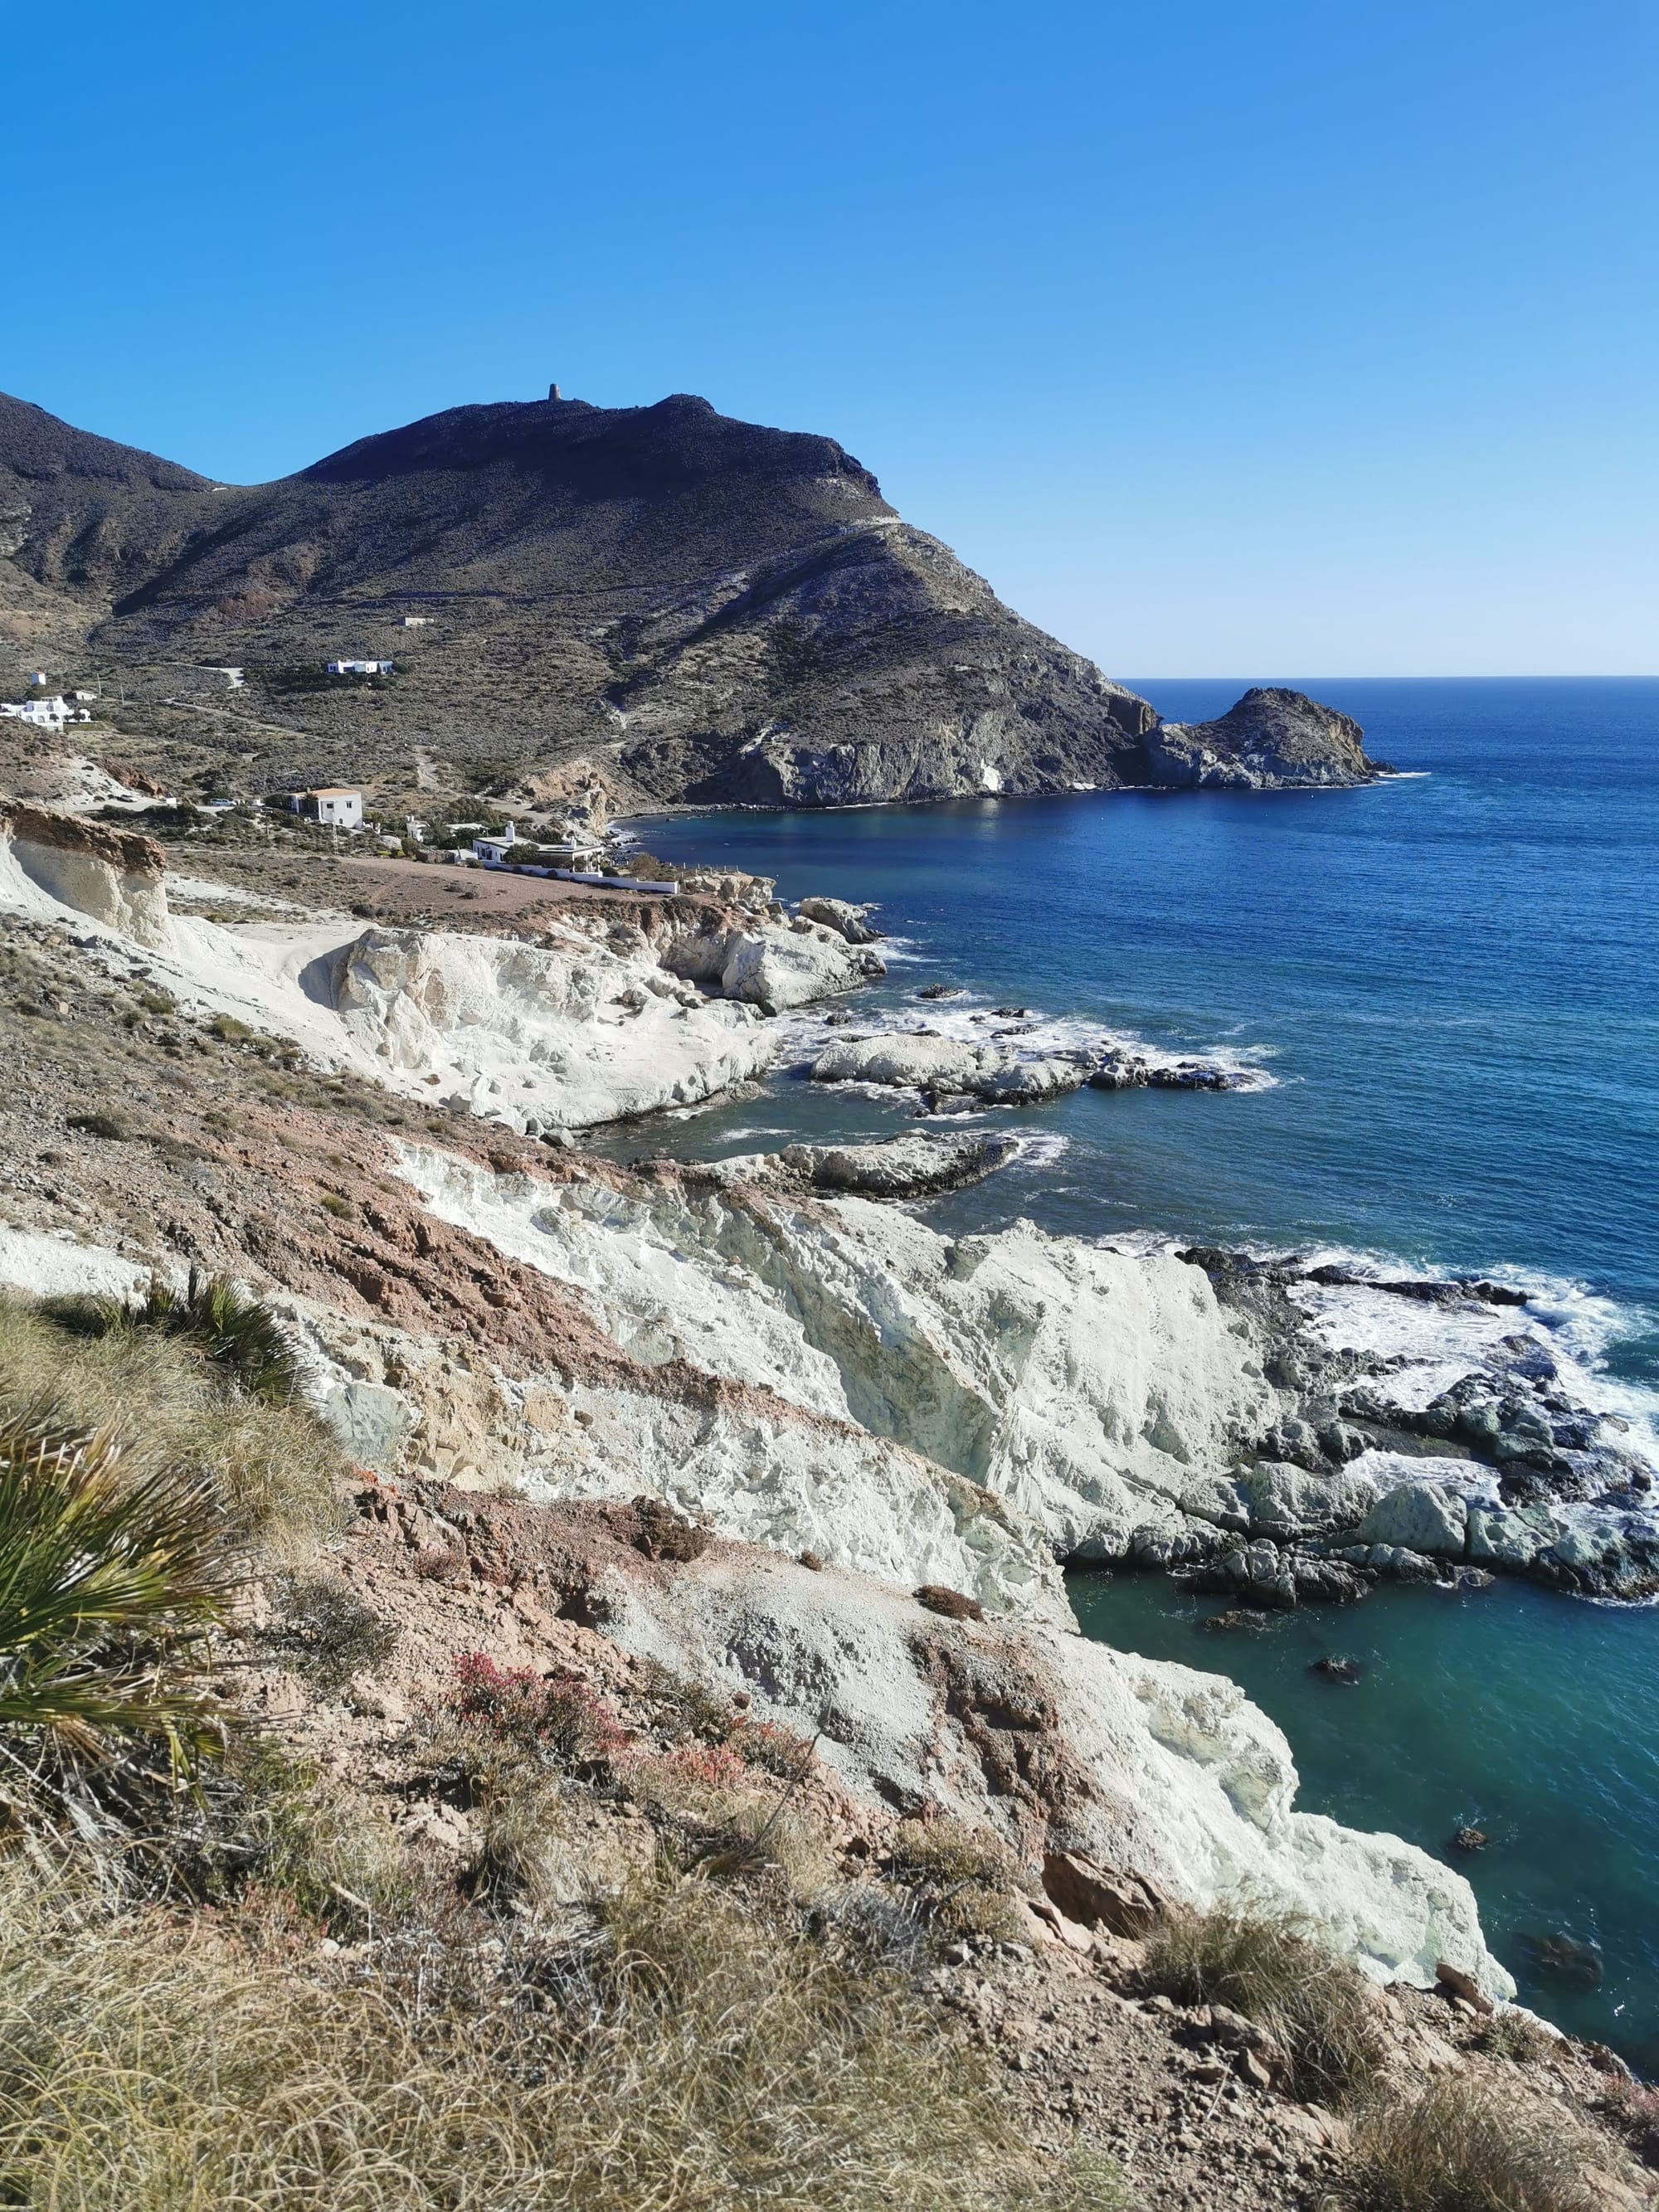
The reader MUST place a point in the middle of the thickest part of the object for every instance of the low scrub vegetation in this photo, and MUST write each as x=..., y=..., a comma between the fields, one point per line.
x=238, y=1334
x=326, y=1630
x=1458, y=2147
x=174, y=1404
x=1315, y=2007
x=685, y=2054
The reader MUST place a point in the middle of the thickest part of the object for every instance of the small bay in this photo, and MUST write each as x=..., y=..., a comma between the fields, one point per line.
x=1452, y=978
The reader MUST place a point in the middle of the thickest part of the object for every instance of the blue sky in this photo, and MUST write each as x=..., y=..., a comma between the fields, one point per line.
x=1244, y=339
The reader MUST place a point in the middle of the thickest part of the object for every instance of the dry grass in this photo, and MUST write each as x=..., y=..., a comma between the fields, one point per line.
x=1316, y=2007
x=327, y=1631
x=966, y=1875
x=299, y=1835
x=1517, y=2035
x=688, y=2056
x=277, y=1470
x=712, y=1814
x=1460, y=2148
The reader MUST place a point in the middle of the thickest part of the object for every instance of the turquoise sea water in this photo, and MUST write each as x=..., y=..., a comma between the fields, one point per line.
x=1453, y=979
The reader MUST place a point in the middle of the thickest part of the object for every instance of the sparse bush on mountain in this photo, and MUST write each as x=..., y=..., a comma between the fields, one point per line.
x=1459, y=2148
x=1316, y=2007
x=327, y=1631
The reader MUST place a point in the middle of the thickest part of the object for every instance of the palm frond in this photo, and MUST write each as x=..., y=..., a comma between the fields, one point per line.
x=105, y=1585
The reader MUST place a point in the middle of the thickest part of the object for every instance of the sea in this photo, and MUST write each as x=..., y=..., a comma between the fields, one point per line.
x=1444, y=988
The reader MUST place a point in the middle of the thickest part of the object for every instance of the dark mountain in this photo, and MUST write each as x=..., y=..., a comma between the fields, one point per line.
x=716, y=610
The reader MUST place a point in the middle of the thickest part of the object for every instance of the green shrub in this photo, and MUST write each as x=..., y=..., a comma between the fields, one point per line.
x=107, y=1584
x=1316, y=2007
x=338, y=1207
x=1459, y=2148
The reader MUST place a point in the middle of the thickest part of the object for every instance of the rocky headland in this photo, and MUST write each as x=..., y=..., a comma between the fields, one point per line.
x=662, y=602
x=1271, y=740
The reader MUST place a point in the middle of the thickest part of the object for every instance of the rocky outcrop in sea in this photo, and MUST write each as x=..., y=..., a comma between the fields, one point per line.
x=1271, y=740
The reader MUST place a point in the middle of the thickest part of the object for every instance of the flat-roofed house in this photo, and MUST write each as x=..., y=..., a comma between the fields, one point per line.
x=336, y=805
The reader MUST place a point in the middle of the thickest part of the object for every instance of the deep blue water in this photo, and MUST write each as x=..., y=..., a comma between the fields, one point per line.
x=1453, y=979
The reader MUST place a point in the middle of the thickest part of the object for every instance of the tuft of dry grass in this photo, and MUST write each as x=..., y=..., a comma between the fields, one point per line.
x=1317, y=2008
x=1460, y=2148
x=968, y=1875
x=1517, y=2035
x=327, y=1631
x=688, y=2056
x=278, y=1474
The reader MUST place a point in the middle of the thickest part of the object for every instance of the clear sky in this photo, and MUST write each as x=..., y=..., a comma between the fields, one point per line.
x=1225, y=337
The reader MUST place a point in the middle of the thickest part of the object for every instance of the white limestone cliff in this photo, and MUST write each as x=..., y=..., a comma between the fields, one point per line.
x=1058, y=1742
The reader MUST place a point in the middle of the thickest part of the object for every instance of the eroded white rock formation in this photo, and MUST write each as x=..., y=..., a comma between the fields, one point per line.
x=1090, y=1390
x=1059, y=1743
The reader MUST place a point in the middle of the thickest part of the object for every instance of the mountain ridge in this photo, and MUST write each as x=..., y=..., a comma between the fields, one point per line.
x=709, y=610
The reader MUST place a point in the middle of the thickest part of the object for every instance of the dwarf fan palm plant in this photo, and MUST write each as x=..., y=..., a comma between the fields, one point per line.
x=105, y=1582
x=237, y=1332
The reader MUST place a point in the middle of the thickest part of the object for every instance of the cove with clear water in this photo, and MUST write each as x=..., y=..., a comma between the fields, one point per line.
x=1453, y=980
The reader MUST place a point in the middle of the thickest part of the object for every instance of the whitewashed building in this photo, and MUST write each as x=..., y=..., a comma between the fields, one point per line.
x=359, y=668
x=335, y=806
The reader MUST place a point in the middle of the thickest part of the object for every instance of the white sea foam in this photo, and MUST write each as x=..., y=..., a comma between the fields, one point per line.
x=1436, y=1345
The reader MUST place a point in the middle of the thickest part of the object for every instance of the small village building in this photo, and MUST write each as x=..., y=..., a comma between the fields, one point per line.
x=83, y=698
x=415, y=622
x=43, y=714
x=496, y=847
x=335, y=806
x=574, y=848
x=359, y=668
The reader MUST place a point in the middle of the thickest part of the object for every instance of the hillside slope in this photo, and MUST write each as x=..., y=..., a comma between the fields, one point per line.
x=711, y=609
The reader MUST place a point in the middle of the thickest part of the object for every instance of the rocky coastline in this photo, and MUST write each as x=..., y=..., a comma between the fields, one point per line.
x=760, y=1427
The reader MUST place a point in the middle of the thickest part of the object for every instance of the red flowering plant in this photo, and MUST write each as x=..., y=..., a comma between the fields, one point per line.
x=558, y=1713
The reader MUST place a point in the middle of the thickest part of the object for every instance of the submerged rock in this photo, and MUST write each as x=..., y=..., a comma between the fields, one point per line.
x=1564, y=1959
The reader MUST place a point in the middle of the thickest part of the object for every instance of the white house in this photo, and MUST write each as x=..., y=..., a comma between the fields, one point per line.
x=416, y=622
x=43, y=714
x=360, y=668
x=496, y=848
x=335, y=805
x=574, y=847
x=83, y=698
